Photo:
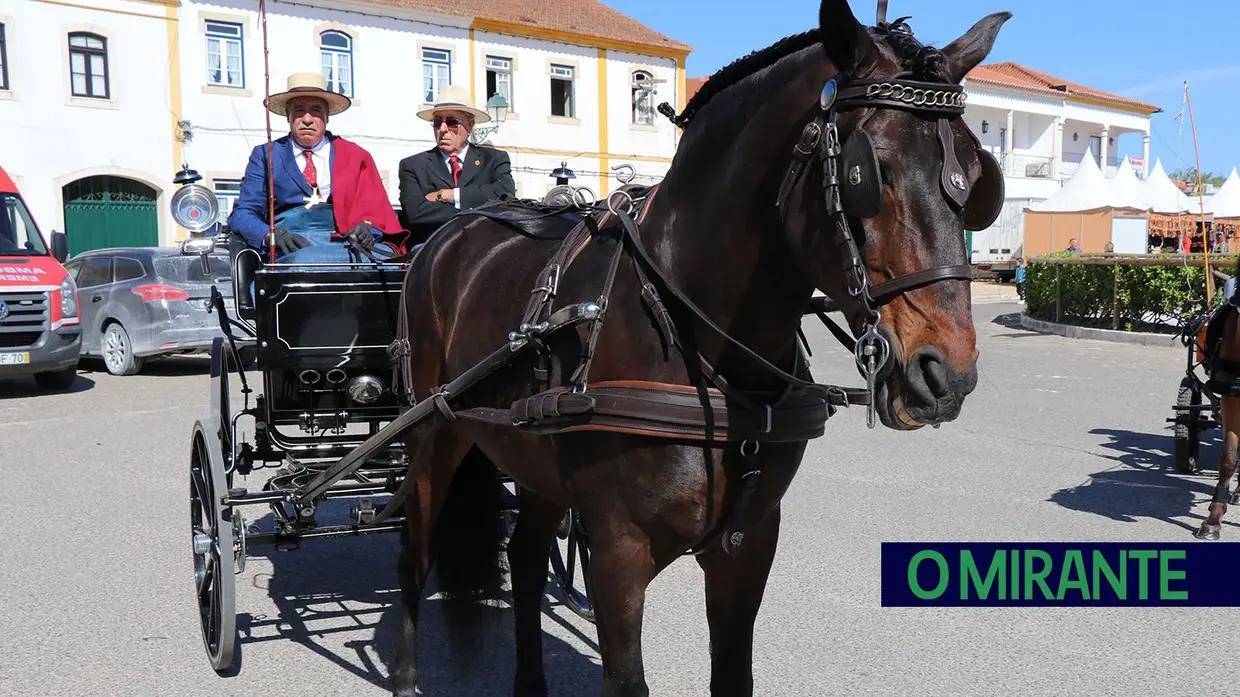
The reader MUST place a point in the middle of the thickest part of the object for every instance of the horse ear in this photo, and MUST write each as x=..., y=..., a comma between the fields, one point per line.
x=845, y=40
x=965, y=53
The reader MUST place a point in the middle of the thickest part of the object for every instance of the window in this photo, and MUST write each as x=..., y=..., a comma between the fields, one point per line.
x=336, y=52
x=225, y=62
x=436, y=72
x=562, y=91
x=499, y=78
x=97, y=271
x=88, y=65
x=643, y=97
x=127, y=269
x=227, y=191
x=4, y=61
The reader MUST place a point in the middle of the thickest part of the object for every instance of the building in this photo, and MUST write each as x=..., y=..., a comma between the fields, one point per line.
x=88, y=101
x=110, y=97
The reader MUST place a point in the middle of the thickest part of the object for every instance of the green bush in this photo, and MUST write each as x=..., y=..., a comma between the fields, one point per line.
x=1150, y=298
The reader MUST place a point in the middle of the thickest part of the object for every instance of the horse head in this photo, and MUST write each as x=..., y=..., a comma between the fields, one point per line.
x=894, y=179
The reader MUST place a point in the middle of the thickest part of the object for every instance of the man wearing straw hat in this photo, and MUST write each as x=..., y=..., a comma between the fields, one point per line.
x=328, y=194
x=454, y=175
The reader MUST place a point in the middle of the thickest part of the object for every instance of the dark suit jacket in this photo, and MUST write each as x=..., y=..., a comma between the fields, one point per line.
x=425, y=172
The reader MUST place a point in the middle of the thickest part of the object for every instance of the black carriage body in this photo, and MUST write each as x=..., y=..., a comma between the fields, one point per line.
x=320, y=330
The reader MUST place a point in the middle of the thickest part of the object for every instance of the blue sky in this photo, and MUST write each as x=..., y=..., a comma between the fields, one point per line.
x=1143, y=49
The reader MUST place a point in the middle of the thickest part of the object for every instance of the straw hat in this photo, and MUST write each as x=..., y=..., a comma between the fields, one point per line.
x=303, y=84
x=453, y=98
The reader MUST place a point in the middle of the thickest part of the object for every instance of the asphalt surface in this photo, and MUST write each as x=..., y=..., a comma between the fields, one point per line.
x=1063, y=440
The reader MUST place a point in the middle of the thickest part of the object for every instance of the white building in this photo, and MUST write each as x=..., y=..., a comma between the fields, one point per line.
x=183, y=81
x=1040, y=127
x=87, y=108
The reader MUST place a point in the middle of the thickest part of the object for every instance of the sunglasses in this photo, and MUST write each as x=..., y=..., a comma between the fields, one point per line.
x=452, y=122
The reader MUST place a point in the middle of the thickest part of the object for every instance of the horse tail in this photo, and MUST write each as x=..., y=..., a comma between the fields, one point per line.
x=468, y=563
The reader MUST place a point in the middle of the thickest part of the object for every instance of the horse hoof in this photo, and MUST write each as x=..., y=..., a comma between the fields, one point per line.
x=1235, y=499
x=1208, y=532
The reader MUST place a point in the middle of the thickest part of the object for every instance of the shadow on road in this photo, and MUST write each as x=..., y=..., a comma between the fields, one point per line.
x=349, y=586
x=1146, y=485
x=24, y=387
x=193, y=364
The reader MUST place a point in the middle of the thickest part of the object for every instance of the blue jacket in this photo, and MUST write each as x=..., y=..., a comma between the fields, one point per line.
x=1020, y=273
x=249, y=213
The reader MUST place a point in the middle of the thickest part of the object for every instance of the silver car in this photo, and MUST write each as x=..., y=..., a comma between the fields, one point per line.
x=143, y=302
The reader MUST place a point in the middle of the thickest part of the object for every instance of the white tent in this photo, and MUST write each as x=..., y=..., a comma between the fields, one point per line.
x=1126, y=189
x=1225, y=203
x=1163, y=196
x=1087, y=190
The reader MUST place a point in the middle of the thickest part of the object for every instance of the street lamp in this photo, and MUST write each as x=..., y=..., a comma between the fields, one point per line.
x=497, y=108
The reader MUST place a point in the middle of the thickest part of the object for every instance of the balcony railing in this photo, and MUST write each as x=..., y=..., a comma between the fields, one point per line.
x=1031, y=166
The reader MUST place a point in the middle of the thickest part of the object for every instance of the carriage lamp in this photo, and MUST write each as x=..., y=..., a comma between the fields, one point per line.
x=365, y=389
x=497, y=108
x=186, y=176
x=562, y=174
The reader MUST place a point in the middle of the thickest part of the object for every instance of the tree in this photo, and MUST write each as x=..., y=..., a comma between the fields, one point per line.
x=1189, y=176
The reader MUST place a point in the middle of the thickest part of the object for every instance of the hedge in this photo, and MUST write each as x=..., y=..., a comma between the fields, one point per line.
x=1144, y=298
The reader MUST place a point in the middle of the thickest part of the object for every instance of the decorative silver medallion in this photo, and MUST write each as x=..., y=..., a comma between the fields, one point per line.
x=957, y=180
x=829, y=91
x=854, y=175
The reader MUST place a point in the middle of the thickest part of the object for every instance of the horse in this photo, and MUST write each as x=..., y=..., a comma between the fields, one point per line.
x=1223, y=349
x=834, y=159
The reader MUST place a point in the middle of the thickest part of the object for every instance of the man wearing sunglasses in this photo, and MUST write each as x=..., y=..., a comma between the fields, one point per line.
x=454, y=175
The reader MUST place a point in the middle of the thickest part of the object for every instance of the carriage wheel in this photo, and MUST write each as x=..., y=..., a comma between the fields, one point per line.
x=570, y=562
x=1187, y=435
x=221, y=365
x=213, y=541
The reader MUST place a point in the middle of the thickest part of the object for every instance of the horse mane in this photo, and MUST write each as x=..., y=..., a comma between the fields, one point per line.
x=920, y=61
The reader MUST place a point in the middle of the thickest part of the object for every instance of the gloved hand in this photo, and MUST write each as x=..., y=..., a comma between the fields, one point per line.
x=289, y=242
x=363, y=235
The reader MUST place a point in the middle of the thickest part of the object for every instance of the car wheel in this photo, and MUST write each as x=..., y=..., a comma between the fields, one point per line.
x=57, y=380
x=117, y=351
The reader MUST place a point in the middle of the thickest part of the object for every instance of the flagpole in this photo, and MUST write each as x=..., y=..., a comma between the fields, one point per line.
x=1201, y=201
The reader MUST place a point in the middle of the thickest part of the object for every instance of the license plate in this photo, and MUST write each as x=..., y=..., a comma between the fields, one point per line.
x=15, y=358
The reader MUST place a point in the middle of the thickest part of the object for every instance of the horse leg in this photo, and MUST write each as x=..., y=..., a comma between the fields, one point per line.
x=421, y=508
x=1212, y=527
x=734, y=587
x=528, y=556
x=620, y=569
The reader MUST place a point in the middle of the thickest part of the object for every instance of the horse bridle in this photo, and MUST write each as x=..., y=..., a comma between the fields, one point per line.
x=872, y=350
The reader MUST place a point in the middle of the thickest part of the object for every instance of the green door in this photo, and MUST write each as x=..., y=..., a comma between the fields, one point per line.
x=107, y=211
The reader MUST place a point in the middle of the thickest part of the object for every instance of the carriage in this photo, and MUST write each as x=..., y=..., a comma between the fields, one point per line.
x=1193, y=416
x=319, y=337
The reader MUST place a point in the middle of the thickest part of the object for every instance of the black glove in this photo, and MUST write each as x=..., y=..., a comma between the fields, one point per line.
x=362, y=236
x=289, y=242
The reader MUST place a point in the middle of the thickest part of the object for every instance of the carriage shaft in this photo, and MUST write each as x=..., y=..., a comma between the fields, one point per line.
x=269, y=538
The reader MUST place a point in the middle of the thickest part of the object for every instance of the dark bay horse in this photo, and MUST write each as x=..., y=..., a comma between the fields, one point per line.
x=745, y=225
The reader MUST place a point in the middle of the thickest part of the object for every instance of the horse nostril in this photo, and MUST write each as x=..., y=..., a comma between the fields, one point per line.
x=935, y=374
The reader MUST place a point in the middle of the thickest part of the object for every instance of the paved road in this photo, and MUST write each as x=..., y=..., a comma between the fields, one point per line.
x=1062, y=440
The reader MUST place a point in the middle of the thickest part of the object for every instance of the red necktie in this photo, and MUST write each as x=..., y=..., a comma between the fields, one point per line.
x=455, y=164
x=312, y=175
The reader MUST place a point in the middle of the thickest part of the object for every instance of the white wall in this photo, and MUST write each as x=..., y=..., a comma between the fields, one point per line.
x=48, y=138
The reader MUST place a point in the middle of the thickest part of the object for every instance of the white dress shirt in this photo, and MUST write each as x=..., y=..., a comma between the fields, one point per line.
x=456, y=193
x=322, y=155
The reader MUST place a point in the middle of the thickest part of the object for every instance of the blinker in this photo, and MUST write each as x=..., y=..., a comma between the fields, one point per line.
x=829, y=92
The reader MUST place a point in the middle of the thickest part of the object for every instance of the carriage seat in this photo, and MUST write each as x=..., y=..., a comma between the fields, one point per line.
x=245, y=262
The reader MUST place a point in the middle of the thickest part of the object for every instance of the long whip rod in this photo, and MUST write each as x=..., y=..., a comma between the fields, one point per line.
x=271, y=189
x=1201, y=203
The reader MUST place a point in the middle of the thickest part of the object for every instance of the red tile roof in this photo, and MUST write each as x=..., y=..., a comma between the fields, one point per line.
x=586, y=17
x=692, y=85
x=1016, y=76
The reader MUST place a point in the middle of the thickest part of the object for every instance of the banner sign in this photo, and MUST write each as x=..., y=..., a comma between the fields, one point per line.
x=1060, y=574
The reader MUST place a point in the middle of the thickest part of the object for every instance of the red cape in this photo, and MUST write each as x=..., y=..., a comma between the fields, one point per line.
x=358, y=195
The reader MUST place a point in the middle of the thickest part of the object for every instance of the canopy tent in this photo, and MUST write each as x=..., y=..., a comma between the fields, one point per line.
x=1092, y=209
x=1225, y=203
x=1171, y=210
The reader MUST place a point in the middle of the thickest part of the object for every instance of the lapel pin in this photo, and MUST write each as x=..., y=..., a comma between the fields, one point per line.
x=477, y=163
